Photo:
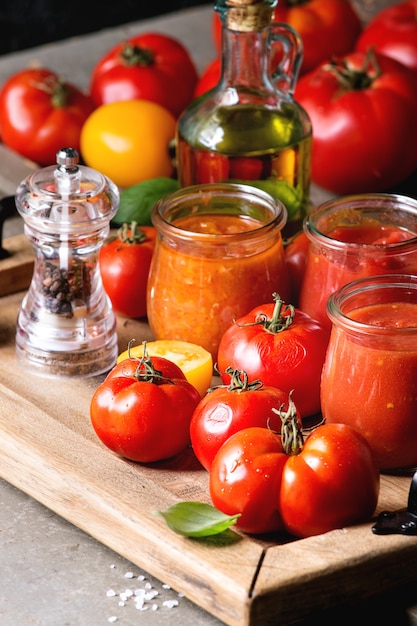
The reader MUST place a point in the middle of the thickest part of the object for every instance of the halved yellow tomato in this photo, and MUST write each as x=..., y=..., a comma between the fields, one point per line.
x=193, y=360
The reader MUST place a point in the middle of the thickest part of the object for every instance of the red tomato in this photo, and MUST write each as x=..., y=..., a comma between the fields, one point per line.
x=362, y=109
x=226, y=409
x=333, y=482
x=393, y=32
x=209, y=77
x=129, y=366
x=306, y=488
x=141, y=413
x=245, y=478
x=124, y=263
x=211, y=167
x=296, y=261
x=326, y=27
x=281, y=346
x=149, y=66
x=40, y=114
x=246, y=168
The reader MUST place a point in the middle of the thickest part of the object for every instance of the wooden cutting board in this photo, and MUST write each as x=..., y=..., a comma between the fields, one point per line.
x=16, y=270
x=49, y=450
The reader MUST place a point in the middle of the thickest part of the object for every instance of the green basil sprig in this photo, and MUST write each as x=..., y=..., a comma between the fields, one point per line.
x=196, y=519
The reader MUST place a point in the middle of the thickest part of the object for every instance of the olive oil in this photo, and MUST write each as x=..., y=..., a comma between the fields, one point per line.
x=251, y=144
x=249, y=129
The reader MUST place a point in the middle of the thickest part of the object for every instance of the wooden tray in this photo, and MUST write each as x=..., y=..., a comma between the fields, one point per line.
x=16, y=271
x=49, y=450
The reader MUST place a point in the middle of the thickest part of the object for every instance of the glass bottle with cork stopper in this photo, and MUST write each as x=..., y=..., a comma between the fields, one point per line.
x=249, y=129
x=66, y=325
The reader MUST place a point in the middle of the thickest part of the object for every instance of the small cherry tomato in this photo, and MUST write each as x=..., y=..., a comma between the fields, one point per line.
x=226, y=409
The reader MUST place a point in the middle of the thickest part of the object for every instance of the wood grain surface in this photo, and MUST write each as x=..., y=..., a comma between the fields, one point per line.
x=48, y=449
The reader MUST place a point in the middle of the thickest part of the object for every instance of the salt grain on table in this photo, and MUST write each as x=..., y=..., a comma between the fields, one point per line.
x=141, y=596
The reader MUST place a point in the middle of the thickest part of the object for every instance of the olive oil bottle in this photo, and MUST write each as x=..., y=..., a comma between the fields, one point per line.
x=249, y=128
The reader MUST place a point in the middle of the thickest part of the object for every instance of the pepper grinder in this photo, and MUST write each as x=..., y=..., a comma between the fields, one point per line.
x=66, y=326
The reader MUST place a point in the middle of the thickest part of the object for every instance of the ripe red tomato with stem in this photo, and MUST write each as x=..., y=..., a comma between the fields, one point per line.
x=129, y=366
x=393, y=32
x=225, y=409
x=280, y=345
x=124, y=262
x=149, y=66
x=142, y=414
x=362, y=108
x=332, y=482
x=303, y=485
x=40, y=114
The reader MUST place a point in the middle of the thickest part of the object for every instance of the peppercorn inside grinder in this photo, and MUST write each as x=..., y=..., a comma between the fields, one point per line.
x=66, y=325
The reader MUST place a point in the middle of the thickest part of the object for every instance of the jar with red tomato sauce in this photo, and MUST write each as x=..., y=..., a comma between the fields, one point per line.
x=353, y=237
x=369, y=378
x=218, y=253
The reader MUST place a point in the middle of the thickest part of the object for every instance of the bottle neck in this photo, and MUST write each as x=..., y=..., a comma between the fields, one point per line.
x=246, y=61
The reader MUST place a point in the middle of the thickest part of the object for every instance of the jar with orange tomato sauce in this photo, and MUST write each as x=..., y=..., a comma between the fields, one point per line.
x=218, y=253
x=353, y=237
x=369, y=378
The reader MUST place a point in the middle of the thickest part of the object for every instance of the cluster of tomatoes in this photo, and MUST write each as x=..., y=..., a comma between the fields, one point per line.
x=247, y=432
x=122, y=127
x=358, y=85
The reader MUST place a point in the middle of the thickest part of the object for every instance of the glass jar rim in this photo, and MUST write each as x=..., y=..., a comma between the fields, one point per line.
x=194, y=196
x=369, y=286
x=370, y=202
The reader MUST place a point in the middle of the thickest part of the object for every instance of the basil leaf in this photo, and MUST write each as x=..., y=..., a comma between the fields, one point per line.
x=196, y=519
x=136, y=202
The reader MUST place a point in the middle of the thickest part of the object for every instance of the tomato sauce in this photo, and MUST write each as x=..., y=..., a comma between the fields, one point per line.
x=369, y=381
x=372, y=248
x=208, y=271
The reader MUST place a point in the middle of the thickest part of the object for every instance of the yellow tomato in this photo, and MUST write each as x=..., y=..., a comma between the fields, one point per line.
x=193, y=360
x=128, y=141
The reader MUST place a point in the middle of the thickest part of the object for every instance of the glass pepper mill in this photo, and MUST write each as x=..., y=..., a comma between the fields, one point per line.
x=249, y=129
x=66, y=325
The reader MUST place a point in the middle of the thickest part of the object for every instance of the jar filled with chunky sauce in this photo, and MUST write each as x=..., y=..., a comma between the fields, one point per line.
x=218, y=254
x=369, y=378
x=353, y=237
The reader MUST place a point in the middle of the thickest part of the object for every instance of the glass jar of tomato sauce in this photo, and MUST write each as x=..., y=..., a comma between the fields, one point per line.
x=353, y=237
x=218, y=254
x=369, y=378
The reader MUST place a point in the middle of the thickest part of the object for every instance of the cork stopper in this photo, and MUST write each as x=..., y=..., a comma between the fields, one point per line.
x=246, y=15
